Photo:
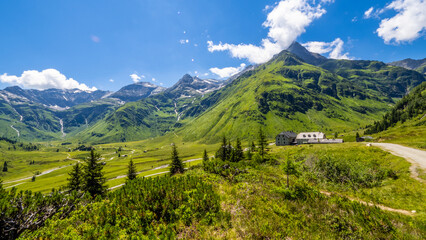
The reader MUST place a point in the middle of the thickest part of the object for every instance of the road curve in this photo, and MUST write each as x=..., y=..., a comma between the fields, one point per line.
x=415, y=156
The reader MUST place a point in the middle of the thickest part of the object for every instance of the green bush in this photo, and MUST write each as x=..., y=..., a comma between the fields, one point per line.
x=356, y=174
x=151, y=207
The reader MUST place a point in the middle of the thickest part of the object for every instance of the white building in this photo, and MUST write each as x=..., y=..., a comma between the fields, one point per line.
x=306, y=137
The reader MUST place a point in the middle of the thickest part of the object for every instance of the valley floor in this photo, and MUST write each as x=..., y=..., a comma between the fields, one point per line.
x=355, y=189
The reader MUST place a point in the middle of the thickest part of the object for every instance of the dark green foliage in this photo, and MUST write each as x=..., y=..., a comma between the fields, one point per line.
x=205, y=157
x=410, y=106
x=227, y=152
x=249, y=154
x=300, y=190
x=5, y=166
x=290, y=168
x=177, y=165
x=131, y=172
x=226, y=169
x=262, y=143
x=354, y=174
x=75, y=181
x=83, y=148
x=148, y=208
x=238, y=151
x=33, y=178
x=21, y=211
x=357, y=136
x=94, y=180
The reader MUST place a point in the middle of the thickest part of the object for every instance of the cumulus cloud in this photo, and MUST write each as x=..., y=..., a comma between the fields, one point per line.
x=367, y=14
x=48, y=78
x=184, y=41
x=286, y=21
x=111, y=80
x=407, y=25
x=154, y=80
x=334, y=48
x=135, y=77
x=228, y=71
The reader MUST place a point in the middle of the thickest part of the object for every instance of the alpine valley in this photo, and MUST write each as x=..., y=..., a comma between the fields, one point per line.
x=296, y=89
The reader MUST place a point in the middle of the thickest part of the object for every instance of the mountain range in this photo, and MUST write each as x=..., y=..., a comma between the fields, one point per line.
x=296, y=90
x=417, y=65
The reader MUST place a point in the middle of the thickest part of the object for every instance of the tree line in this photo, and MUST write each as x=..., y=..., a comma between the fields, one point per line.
x=407, y=108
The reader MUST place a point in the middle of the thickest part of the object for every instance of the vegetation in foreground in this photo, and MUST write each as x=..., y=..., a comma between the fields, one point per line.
x=304, y=192
x=309, y=191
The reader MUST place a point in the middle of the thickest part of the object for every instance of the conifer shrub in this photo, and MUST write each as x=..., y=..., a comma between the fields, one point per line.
x=22, y=211
x=146, y=207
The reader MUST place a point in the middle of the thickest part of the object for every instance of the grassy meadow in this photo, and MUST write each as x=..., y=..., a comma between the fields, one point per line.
x=322, y=202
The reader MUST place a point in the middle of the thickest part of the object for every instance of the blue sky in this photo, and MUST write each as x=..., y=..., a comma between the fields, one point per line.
x=107, y=44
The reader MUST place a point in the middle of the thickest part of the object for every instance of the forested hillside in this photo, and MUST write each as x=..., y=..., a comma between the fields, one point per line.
x=410, y=106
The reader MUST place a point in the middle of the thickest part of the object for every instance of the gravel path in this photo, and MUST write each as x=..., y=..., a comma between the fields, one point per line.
x=416, y=157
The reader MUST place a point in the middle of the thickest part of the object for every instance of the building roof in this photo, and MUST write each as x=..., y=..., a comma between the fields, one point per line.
x=310, y=135
x=288, y=134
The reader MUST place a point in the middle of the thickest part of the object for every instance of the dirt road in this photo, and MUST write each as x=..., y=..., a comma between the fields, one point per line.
x=416, y=157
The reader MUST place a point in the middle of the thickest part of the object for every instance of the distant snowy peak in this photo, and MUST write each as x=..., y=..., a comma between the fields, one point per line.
x=189, y=86
x=53, y=97
x=137, y=91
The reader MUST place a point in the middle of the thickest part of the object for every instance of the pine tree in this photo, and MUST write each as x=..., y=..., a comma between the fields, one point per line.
x=205, y=158
x=253, y=147
x=75, y=181
x=131, y=173
x=177, y=165
x=262, y=144
x=357, y=136
x=5, y=166
x=94, y=180
x=223, y=150
x=249, y=155
x=290, y=168
x=238, y=152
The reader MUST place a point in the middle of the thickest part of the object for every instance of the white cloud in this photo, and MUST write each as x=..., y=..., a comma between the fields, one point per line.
x=368, y=13
x=111, y=80
x=228, y=71
x=154, y=80
x=334, y=48
x=286, y=21
x=184, y=41
x=407, y=25
x=48, y=78
x=135, y=77
x=192, y=60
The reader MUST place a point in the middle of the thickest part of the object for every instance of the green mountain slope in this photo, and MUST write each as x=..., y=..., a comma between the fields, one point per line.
x=153, y=116
x=406, y=122
x=288, y=94
x=30, y=121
